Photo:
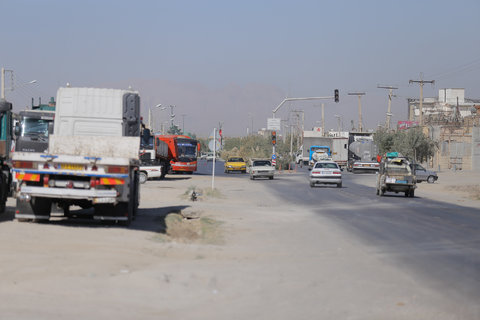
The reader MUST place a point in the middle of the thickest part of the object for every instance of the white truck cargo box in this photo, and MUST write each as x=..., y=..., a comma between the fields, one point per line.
x=90, y=112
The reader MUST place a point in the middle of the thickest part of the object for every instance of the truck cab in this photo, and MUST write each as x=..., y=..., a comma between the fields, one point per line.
x=33, y=129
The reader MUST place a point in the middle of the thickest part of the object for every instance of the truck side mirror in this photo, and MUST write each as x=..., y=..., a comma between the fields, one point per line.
x=17, y=131
x=50, y=128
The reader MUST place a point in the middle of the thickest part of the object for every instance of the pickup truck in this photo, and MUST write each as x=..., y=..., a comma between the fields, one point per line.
x=396, y=175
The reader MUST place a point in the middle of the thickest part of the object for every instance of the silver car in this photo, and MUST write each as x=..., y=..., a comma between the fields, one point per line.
x=423, y=174
x=261, y=168
x=326, y=172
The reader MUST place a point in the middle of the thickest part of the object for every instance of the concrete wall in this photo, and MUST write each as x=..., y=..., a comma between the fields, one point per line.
x=476, y=148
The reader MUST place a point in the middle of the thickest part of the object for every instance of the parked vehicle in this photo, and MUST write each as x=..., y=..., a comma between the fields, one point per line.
x=260, y=168
x=182, y=152
x=154, y=161
x=92, y=158
x=326, y=172
x=423, y=174
x=33, y=129
x=235, y=164
x=5, y=147
x=396, y=175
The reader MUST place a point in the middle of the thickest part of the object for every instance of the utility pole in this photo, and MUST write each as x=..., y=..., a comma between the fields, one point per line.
x=3, y=84
x=389, y=110
x=421, y=82
x=359, y=94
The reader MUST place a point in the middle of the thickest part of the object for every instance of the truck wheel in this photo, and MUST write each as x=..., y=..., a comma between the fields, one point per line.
x=41, y=207
x=430, y=179
x=412, y=193
x=339, y=185
x=143, y=177
x=271, y=178
x=123, y=209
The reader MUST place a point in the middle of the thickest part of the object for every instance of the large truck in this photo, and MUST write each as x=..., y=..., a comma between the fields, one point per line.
x=340, y=151
x=312, y=139
x=154, y=161
x=92, y=158
x=5, y=147
x=362, y=153
x=182, y=152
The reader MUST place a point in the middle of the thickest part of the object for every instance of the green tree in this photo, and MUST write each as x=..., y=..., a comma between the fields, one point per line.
x=174, y=130
x=412, y=143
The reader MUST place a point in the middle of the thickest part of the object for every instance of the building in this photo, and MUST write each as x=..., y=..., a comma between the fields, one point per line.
x=454, y=122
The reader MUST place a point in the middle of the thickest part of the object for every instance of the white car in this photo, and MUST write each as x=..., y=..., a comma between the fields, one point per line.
x=326, y=172
x=261, y=168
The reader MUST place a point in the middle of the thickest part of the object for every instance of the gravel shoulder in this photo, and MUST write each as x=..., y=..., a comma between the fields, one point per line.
x=258, y=257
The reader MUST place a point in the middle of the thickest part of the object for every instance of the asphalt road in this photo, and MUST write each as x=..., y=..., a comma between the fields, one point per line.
x=437, y=243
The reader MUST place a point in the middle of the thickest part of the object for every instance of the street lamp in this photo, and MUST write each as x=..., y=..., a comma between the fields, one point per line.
x=150, y=117
x=172, y=115
x=338, y=118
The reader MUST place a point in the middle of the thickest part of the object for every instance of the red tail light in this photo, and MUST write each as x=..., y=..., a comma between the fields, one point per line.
x=117, y=169
x=46, y=178
x=94, y=182
x=23, y=164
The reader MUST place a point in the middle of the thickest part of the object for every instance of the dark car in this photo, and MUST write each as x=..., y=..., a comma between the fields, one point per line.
x=423, y=174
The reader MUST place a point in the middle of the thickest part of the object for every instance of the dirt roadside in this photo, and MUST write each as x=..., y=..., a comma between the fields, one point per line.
x=261, y=259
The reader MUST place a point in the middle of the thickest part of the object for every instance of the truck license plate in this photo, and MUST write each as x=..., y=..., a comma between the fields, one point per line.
x=69, y=166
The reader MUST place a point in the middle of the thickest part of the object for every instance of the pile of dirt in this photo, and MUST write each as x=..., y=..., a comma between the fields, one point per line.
x=197, y=229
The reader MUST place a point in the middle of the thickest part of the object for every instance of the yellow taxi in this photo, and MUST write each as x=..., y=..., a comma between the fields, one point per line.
x=235, y=164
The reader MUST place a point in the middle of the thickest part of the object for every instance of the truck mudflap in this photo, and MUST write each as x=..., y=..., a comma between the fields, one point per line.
x=96, y=196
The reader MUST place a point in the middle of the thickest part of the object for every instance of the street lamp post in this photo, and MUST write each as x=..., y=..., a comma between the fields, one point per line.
x=172, y=115
x=151, y=123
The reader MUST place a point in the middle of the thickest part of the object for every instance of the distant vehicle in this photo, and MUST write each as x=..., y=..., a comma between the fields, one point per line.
x=423, y=174
x=235, y=164
x=182, y=152
x=364, y=166
x=318, y=153
x=326, y=172
x=396, y=175
x=260, y=168
x=311, y=139
x=362, y=153
x=210, y=156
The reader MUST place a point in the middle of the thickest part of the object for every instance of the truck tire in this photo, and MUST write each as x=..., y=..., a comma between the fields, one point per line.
x=412, y=193
x=339, y=185
x=143, y=177
x=41, y=206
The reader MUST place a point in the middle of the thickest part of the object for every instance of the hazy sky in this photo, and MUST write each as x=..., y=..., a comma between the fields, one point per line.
x=235, y=61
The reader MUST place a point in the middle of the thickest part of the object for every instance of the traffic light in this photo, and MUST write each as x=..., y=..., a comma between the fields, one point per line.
x=274, y=137
x=336, y=94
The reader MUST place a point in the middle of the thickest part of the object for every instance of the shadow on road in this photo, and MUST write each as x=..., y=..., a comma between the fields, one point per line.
x=147, y=219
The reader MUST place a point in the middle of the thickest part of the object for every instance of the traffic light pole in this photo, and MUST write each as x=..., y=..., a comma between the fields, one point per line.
x=335, y=97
